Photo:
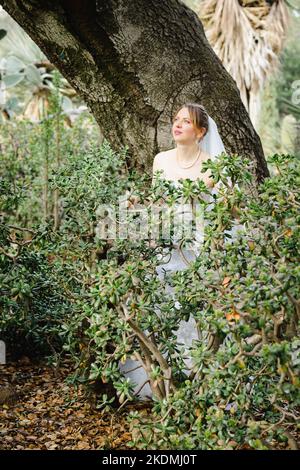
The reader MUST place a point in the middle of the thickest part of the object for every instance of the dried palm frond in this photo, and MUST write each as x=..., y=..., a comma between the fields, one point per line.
x=37, y=106
x=247, y=36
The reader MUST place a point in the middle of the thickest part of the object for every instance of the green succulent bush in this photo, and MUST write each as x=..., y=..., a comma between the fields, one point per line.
x=242, y=290
x=33, y=301
x=37, y=286
x=100, y=300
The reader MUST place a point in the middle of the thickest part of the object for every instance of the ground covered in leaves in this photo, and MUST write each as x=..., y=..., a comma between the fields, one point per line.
x=40, y=410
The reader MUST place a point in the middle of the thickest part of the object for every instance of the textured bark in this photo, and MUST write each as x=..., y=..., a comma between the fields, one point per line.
x=134, y=63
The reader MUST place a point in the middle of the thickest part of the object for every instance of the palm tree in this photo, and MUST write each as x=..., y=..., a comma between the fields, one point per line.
x=247, y=36
x=23, y=63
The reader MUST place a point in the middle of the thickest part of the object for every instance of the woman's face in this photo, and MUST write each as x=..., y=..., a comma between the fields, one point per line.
x=183, y=129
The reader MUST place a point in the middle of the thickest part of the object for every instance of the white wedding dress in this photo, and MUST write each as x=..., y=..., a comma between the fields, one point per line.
x=187, y=332
x=172, y=261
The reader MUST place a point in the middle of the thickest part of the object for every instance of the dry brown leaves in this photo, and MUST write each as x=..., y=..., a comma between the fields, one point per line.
x=47, y=413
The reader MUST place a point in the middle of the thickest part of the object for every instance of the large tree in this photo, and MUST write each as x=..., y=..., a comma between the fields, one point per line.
x=134, y=62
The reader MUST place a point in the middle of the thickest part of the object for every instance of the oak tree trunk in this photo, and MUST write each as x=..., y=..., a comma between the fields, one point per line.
x=134, y=62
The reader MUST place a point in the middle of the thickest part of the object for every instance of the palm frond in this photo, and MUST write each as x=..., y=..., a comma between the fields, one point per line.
x=17, y=42
x=248, y=37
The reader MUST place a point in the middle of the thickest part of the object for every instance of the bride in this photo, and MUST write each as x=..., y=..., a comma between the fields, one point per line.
x=197, y=139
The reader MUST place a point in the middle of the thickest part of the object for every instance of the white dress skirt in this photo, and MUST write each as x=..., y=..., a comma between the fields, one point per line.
x=187, y=331
x=172, y=261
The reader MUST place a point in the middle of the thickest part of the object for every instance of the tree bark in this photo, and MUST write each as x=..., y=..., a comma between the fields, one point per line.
x=134, y=63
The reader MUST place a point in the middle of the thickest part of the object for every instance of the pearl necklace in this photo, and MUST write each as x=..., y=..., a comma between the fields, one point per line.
x=189, y=165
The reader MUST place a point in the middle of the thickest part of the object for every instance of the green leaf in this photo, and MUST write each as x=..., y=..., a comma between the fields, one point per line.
x=12, y=80
x=14, y=65
x=33, y=75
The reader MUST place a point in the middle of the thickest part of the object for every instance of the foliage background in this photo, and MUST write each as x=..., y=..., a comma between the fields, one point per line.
x=64, y=292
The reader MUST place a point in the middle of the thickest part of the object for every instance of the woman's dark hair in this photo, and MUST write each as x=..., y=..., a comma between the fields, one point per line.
x=198, y=114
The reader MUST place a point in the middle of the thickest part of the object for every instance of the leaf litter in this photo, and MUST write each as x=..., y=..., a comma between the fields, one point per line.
x=40, y=410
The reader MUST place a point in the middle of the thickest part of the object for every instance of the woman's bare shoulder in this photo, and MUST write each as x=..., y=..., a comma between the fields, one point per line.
x=165, y=153
x=162, y=157
x=170, y=153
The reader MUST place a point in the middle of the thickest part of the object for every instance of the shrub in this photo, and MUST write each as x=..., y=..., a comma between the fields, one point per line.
x=33, y=301
x=64, y=288
x=242, y=290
